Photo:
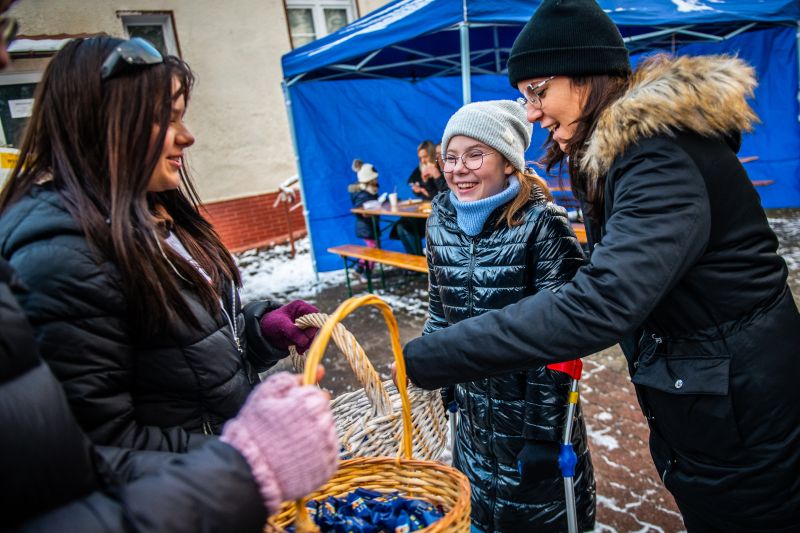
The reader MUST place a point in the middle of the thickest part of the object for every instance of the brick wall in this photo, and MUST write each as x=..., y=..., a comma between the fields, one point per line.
x=252, y=222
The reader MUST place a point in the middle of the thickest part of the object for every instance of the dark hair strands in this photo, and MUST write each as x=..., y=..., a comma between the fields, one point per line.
x=600, y=92
x=94, y=139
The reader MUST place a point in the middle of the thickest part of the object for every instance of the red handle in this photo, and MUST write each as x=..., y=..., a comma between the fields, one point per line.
x=572, y=368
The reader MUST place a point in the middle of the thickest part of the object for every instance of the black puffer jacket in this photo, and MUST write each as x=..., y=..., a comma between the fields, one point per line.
x=161, y=393
x=685, y=275
x=55, y=480
x=500, y=414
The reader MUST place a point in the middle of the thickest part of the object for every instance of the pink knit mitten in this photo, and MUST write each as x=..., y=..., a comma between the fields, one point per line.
x=285, y=432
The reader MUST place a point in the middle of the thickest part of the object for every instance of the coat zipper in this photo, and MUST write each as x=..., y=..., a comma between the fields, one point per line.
x=471, y=271
x=231, y=322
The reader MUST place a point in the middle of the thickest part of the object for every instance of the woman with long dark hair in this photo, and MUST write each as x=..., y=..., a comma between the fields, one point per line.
x=132, y=294
x=684, y=272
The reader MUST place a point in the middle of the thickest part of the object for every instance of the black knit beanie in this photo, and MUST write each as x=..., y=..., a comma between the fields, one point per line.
x=567, y=38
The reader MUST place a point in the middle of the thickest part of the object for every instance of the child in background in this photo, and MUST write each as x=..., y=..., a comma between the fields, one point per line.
x=495, y=238
x=365, y=190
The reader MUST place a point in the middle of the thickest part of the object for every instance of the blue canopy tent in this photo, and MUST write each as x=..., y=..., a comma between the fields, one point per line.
x=376, y=88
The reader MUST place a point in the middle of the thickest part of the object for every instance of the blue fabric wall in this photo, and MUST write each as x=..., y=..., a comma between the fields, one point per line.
x=383, y=121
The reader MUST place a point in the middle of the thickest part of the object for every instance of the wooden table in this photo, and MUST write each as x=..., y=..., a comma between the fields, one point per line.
x=422, y=210
x=404, y=209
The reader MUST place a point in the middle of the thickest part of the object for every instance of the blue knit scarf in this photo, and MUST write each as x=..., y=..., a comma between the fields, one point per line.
x=472, y=215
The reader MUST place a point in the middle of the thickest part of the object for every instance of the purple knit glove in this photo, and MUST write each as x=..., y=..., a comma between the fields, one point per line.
x=278, y=328
x=285, y=432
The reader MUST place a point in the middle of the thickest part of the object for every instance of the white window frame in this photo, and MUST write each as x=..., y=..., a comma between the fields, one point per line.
x=317, y=8
x=152, y=19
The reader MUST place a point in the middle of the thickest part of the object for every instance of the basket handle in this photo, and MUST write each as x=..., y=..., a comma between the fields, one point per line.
x=314, y=357
x=365, y=373
x=317, y=350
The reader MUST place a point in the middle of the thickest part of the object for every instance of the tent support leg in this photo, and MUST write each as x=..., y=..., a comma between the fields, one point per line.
x=287, y=101
x=466, y=65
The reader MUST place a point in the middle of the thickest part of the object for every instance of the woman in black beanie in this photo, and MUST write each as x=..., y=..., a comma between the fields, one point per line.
x=684, y=272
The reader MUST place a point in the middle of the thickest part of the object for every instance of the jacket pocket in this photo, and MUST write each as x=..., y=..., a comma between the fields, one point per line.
x=687, y=401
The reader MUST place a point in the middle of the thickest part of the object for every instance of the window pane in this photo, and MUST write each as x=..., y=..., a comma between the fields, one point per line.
x=301, y=25
x=335, y=19
x=154, y=34
x=12, y=115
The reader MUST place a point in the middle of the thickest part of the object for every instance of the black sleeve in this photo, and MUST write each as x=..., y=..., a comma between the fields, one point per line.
x=555, y=256
x=261, y=354
x=210, y=489
x=657, y=229
x=81, y=332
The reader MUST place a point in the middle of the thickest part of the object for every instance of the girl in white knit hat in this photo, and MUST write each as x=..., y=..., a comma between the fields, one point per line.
x=363, y=191
x=495, y=238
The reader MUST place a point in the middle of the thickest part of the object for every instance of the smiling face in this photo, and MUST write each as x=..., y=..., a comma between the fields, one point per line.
x=166, y=175
x=471, y=185
x=561, y=106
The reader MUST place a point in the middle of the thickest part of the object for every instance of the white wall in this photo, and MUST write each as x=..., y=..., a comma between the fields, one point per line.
x=236, y=112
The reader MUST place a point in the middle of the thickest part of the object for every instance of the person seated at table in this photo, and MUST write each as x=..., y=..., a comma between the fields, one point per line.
x=426, y=181
x=363, y=191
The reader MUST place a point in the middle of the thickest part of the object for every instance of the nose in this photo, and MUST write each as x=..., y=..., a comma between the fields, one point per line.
x=460, y=167
x=534, y=114
x=184, y=138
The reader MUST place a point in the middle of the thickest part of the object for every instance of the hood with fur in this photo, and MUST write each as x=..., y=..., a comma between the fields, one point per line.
x=704, y=94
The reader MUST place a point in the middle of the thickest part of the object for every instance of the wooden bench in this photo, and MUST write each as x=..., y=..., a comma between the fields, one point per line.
x=353, y=253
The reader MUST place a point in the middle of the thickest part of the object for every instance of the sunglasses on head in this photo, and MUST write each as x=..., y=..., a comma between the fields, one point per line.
x=130, y=55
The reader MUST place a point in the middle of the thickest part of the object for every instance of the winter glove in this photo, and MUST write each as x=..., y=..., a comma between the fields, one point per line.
x=538, y=460
x=285, y=432
x=449, y=399
x=279, y=330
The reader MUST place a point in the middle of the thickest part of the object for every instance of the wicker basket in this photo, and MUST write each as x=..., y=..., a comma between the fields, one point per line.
x=427, y=480
x=368, y=421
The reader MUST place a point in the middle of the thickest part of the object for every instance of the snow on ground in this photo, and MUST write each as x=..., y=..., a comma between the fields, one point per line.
x=788, y=231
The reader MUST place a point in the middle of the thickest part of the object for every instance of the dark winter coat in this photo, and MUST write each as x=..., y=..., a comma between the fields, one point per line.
x=160, y=393
x=685, y=275
x=358, y=196
x=499, y=415
x=55, y=480
x=432, y=186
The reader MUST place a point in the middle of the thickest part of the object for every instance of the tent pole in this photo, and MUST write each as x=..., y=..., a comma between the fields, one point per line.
x=798, y=65
x=287, y=101
x=466, y=67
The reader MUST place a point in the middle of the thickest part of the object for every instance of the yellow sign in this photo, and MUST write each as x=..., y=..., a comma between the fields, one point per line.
x=8, y=160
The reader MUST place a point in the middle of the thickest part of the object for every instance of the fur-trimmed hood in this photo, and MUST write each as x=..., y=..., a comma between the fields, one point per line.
x=704, y=94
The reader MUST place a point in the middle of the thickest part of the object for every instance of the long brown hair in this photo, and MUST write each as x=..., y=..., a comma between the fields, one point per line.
x=529, y=185
x=92, y=139
x=600, y=92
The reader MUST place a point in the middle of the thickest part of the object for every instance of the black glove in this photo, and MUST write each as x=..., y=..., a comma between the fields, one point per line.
x=449, y=398
x=538, y=459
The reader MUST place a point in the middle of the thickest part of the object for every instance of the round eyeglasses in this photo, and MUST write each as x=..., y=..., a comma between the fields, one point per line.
x=533, y=94
x=471, y=161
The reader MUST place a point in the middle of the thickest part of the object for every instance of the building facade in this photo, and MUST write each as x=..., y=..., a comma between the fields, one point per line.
x=243, y=148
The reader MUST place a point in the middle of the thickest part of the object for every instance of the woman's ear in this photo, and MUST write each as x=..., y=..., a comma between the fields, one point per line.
x=508, y=169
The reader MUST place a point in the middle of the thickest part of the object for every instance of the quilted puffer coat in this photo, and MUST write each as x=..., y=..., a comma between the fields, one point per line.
x=472, y=275
x=169, y=392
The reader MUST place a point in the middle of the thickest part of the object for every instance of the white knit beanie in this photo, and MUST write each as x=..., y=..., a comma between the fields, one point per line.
x=500, y=124
x=367, y=173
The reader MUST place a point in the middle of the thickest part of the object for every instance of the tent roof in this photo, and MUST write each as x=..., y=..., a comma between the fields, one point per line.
x=415, y=38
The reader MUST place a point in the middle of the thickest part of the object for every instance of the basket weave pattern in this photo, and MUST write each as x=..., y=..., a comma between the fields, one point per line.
x=428, y=480
x=368, y=421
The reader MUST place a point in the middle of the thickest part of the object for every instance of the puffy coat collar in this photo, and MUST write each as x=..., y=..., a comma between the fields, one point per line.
x=704, y=94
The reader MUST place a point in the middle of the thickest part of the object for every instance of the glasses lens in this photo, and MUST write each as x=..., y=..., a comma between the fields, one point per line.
x=450, y=163
x=136, y=52
x=473, y=161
